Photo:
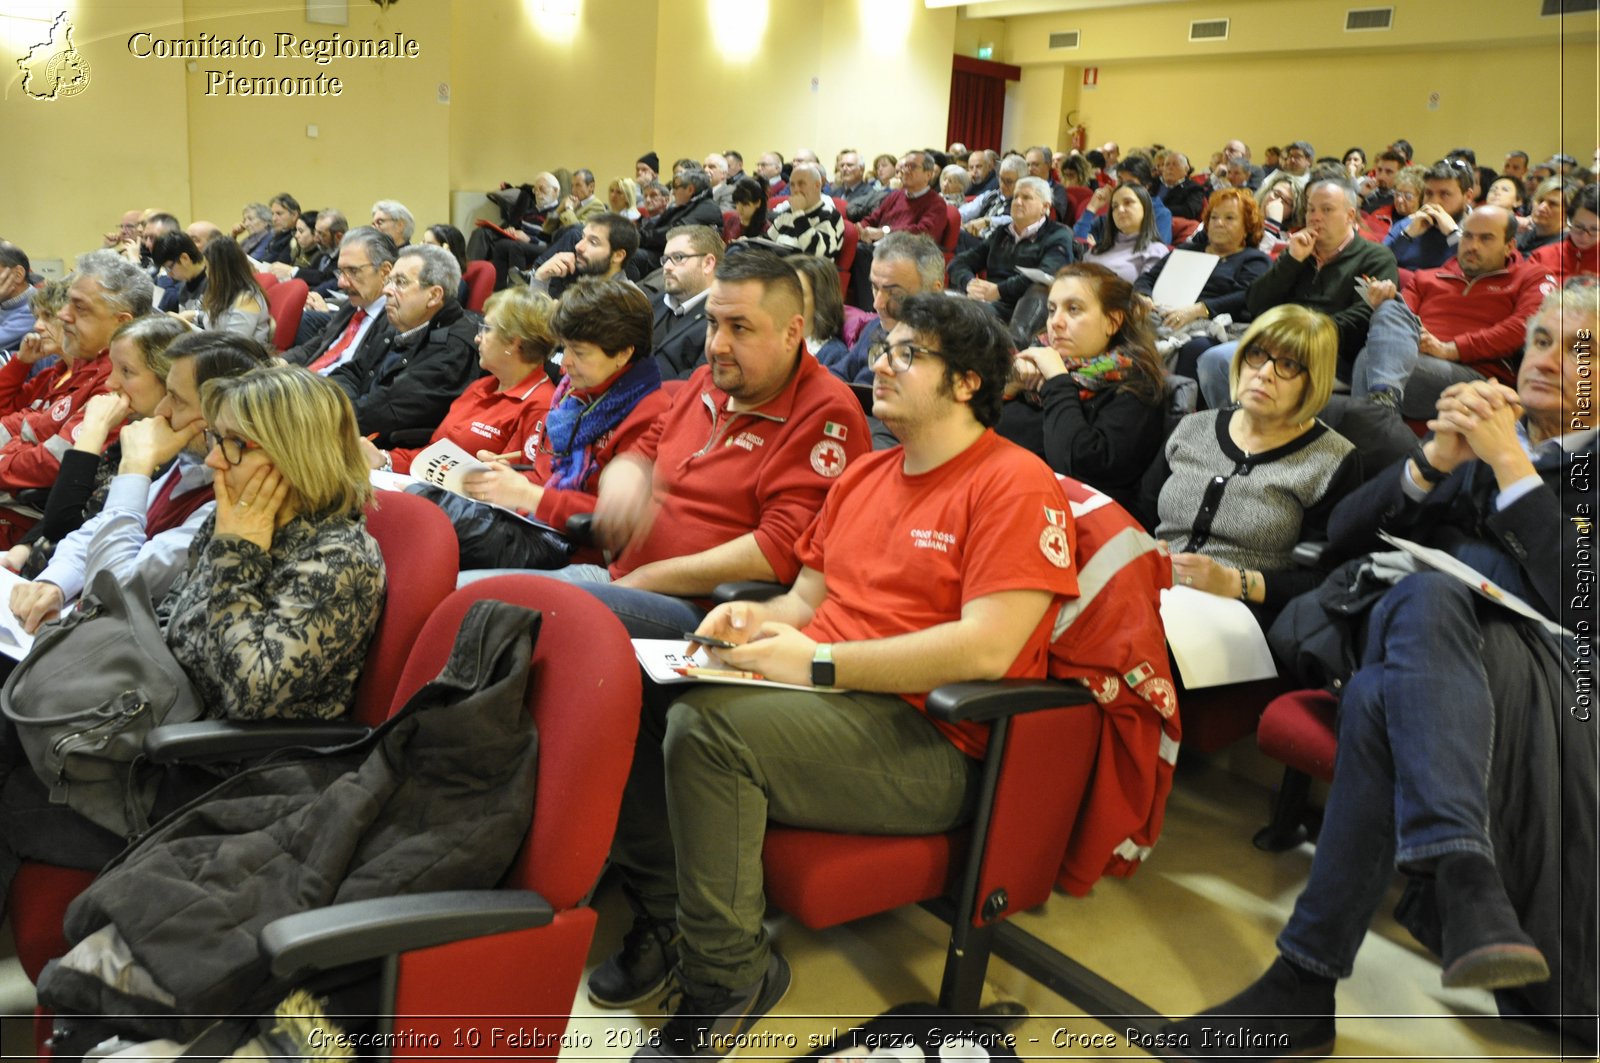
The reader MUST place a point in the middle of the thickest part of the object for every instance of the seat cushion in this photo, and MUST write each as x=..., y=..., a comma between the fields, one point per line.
x=805, y=868
x=1297, y=729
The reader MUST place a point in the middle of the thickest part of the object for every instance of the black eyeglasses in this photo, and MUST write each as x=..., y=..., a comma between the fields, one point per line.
x=901, y=355
x=1286, y=368
x=233, y=448
x=678, y=258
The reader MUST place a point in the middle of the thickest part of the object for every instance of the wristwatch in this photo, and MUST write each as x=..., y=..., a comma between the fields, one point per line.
x=1426, y=468
x=822, y=666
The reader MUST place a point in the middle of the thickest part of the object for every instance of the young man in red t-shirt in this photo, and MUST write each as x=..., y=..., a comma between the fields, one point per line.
x=934, y=562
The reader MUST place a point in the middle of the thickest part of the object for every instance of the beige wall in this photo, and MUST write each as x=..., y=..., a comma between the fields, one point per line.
x=72, y=166
x=631, y=75
x=1369, y=87
x=379, y=139
x=530, y=99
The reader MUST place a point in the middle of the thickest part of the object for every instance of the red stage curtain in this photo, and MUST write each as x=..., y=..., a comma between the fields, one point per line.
x=978, y=102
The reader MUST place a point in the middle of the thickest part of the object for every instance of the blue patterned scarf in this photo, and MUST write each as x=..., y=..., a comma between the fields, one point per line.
x=572, y=427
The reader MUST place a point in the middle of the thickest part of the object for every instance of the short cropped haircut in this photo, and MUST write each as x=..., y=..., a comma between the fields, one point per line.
x=1304, y=146
x=1390, y=155
x=696, y=179
x=1557, y=184
x=526, y=316
x=812, y=168
x=1014, y=164
x=337, y=222
x=1040, y=186
x=12, y=256
x=218, y=355
x=971, y=339
x=1297, y=332
x=49, y=297
x=286, y=201
x=1445, y=170
x=379, y=247
x=127, y=288
x=397, y=210
x=703, y=239
x=781, y=296
x=612, y=313
x=1578, y=299
x=439, y=268
x=621, y=233
x=307, y=429
x=918, y=249
x=1342, y=183
x=151, y=335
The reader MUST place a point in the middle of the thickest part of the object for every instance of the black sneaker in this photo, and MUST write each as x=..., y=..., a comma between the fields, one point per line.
x=1287, y=1013
x=638, y=970
x=1388, y=398
x=709, y=1027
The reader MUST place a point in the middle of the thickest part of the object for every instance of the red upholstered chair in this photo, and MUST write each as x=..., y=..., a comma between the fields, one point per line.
x=952, y=232
x=420, y=554
x=286, y=302
x=480, y=285
x=1297, y=729
x=731, y=225
x=266, y=280
x=1182, y=229
x=1078, y=195
x=1041, y=753
x=847, y=255
x=518, y=950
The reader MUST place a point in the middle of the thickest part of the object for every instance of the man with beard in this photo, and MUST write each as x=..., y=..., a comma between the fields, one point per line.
x=679, y=333
x=735, y=470
x=608, y=241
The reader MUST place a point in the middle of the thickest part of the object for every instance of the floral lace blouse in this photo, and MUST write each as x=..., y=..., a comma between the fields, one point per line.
x=279, y=634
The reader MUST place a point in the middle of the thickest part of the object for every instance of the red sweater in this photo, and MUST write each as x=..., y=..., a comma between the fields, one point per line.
x=42, y=415
x=720, y=474
x=486, y=418
x=1563, y=259
x=925, y=214
x=1485, y=317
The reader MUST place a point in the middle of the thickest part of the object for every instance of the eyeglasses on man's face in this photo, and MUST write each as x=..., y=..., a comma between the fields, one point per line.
x=901, y=355
x=1256, y=356
x=350, y=273
x=678, y=258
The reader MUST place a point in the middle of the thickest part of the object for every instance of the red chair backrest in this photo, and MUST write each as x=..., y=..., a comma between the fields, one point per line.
x=286, y=302
x=584, y=693
x=952, y=232
x=480, y=285
x=847, y=255
x=1078, y=195
x=420, y=556
x=1182, y=229
x=731, y=225
x=266, y=280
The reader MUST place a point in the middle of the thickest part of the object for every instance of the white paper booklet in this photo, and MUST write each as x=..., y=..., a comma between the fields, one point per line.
x=664, y=660
x=1215, y=640
x=14, y=642
x=1483, y=585
x=1182, y=278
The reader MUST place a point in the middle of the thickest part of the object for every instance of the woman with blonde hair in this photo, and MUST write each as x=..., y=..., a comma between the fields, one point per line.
x=1245, y=483
x=623, y=197
x=1282, y=202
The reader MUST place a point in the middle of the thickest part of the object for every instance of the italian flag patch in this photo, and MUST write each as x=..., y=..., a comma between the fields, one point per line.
x=834, y=431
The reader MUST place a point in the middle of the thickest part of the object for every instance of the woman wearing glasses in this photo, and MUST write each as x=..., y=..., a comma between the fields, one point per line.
x=1247, y=482
x=273, y=615
x=1579, y=253
x=284, y=584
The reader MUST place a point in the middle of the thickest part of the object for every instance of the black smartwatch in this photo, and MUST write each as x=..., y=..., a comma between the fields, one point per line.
x=822, y=666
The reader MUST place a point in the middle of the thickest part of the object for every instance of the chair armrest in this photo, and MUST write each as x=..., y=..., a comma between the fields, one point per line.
x=207, y=740
x=1308, y=555
x=343, y=934
x=992, y=699
x=747, y=590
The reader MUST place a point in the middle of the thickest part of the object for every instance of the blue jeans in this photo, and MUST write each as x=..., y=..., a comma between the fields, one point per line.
x=646, y=614
x=1391, y=360
x=1213, y=373
x=1416, y=732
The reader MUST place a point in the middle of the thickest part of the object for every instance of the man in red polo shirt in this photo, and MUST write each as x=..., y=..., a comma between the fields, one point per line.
x=736, y=469
x=933, y=562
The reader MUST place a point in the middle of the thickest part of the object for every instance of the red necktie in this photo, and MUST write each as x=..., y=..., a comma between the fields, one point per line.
x=331, y=355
